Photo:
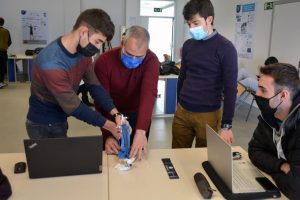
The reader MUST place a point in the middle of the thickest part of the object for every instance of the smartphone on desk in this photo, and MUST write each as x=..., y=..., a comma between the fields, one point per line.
x=267, y=184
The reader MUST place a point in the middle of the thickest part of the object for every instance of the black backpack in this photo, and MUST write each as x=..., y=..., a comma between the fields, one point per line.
x=30, y=52
x=5, y=188
x=168, y=68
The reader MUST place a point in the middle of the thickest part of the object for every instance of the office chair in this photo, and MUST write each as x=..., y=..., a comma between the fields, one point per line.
x=243, y=93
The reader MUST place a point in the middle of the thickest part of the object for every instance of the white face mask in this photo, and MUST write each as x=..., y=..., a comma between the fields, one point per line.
x=198, y=33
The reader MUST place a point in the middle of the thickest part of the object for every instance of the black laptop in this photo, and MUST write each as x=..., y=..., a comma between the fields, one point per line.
x=53, y=157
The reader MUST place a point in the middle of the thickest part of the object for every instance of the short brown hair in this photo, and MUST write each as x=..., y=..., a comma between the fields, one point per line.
x=284, y=75
x=202, y=7
x=271, y=60
x=99, y=20
x=1, y=21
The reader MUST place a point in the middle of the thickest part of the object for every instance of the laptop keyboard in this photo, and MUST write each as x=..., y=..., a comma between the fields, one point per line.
x=244, y=178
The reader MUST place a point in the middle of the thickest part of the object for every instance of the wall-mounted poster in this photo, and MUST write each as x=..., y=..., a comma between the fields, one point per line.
x=34, y=27
x=244, y=29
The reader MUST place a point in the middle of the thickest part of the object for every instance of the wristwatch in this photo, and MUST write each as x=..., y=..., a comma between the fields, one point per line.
x=226, y=126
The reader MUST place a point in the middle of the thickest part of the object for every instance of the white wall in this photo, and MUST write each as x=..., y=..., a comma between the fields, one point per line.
x=60, y=16
x=63, y=13
x=285, y=38
x=71, y=11
x=181, y=30
x=132, y=17
x=114, y=8
x=225, y=24
x=261, y=39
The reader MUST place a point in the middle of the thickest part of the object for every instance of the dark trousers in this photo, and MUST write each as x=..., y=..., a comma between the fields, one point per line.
x=39, y=131
x=3, y=65
x=84, y=91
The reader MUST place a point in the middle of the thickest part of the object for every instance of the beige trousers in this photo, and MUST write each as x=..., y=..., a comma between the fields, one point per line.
x=188, y=125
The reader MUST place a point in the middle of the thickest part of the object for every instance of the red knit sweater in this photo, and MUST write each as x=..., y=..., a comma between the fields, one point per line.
x=132, y=90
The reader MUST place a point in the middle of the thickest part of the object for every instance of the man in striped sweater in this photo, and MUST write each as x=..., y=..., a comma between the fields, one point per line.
x=57, y=72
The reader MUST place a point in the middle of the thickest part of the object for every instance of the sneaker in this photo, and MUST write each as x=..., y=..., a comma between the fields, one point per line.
x=2, y=84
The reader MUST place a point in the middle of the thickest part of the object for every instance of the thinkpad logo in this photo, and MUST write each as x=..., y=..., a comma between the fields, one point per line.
x=32, y=145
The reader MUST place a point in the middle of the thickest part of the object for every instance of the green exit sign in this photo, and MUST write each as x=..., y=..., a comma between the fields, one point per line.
x=157, y=9
x=268, y=6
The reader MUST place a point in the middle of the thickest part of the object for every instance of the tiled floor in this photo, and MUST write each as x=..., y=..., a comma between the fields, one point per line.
x=14, y=106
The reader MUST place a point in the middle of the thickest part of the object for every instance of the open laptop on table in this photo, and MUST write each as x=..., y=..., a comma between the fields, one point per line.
x=53, y=157
x=235, y=179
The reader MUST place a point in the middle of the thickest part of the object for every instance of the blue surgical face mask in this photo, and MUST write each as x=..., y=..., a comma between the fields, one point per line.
x=198, y=33
x=131, y=62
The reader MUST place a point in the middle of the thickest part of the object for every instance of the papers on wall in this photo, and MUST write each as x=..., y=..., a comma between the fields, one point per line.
x=244, y=29
x=34, y=27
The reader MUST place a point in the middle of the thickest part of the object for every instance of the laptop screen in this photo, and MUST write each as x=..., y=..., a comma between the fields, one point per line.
x=219, y=156
x=53, y=157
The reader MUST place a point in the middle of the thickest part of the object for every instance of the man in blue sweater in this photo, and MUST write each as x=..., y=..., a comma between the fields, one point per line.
x=208, y=73
x=57, y=72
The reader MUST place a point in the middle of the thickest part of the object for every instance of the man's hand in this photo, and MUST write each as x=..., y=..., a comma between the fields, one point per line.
x=227, y=135
x=112, y=146
x=139, y=145
x=118, y=116
x=124, y=121
x=285, y=167
x=118, y=120
x=113, y=128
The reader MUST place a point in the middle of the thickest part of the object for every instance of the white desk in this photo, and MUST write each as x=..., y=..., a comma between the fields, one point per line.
x=148, y=179
x=80, y=187
x=11, y=66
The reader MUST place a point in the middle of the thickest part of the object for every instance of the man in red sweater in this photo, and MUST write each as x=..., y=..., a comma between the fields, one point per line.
x=129, y=73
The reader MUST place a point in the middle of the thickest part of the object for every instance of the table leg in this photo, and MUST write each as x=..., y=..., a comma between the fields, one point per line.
x=171, y=98
x=30, y=69
x=11, y=70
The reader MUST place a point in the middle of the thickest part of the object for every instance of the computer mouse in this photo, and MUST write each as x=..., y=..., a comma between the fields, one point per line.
x=20, y=167
x=236, y=155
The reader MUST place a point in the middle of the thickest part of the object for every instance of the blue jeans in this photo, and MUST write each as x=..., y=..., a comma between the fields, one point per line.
x=39, y=131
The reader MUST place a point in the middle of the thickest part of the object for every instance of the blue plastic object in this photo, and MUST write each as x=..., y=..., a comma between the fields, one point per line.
x=125, y=142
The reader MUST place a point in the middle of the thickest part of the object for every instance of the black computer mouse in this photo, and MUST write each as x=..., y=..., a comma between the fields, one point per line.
x=20, y=167
x=236, y=155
